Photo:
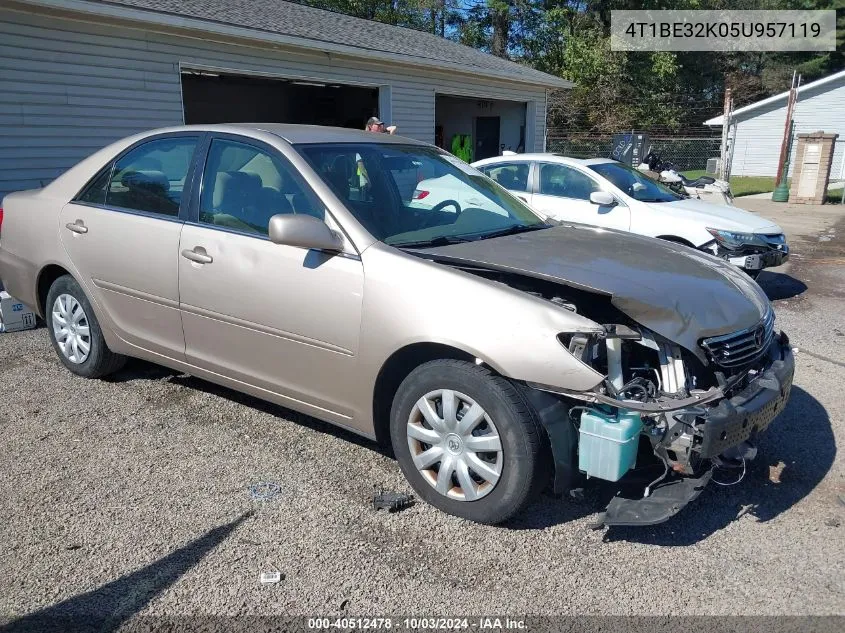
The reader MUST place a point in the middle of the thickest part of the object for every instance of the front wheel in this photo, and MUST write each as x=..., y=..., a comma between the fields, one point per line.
x=75, y=331
x=467, y=441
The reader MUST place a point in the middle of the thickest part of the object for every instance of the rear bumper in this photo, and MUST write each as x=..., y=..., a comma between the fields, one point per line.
x=19, y=279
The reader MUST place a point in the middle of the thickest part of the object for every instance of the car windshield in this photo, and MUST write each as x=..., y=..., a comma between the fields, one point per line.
x=635, y=183
x=415, y=196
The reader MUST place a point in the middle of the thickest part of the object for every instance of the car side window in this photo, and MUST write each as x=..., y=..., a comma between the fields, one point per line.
x=566, y=182
x=244, y=186
x=95, y=191
x=512, y=176
x=150, y=178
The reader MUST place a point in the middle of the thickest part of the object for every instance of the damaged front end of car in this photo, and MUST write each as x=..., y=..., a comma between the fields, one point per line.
x=690, y=412
x=697, y=417
x=750, y=251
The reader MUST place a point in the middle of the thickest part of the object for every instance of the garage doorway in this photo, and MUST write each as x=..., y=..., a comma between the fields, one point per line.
x=492, y=126
x=210, y=97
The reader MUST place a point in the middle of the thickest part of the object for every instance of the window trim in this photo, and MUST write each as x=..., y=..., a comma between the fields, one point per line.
x=193, y=213
x=187, y=192
x=573, y=168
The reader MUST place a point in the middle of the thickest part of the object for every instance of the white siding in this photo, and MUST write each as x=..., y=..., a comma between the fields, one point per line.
x=759, y=132
x=68, y=87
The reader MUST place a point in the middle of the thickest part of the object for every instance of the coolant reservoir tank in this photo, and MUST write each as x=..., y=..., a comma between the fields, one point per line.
x=607, y=443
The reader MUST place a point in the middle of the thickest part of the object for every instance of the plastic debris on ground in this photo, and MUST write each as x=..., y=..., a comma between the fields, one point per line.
x=392, y=501
x=271, y=577
x=264, y=491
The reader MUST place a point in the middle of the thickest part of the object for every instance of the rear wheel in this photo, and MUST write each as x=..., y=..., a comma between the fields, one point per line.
x=467, y=441
x=75, y=331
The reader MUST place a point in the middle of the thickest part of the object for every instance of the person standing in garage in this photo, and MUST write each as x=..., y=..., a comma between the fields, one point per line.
x=375, y=124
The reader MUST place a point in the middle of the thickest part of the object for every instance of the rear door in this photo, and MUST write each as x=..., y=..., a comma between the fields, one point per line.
x=122, y=235
x=512, y=176
x=563, y=192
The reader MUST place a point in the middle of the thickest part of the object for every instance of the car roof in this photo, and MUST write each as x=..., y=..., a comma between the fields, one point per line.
x=547, y=157
x=296, y=134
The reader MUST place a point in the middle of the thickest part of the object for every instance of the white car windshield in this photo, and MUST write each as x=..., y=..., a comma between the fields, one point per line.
x=635, y=183
x=415, y=196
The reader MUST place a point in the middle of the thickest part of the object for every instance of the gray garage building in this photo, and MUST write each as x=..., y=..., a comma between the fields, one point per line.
x=78, y=74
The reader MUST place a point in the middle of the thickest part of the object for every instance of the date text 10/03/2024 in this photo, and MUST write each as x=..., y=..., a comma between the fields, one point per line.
x=423, y=623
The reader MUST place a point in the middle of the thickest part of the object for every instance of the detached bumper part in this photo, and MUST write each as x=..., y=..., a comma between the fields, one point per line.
x=664, y=502
x=753, y=257
x=758, y=261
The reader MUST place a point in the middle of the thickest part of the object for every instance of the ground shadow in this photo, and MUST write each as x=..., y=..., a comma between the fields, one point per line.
x=107, y=608
x=801, y=437
x=779, y=286
x=142, y=370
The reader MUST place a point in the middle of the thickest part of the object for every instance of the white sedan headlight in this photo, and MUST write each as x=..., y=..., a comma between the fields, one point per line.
x=733, y=239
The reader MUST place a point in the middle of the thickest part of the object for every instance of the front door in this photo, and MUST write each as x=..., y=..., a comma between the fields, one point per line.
x=563, y=192
x=281, y=318
x=122, y=236
x=486, y=137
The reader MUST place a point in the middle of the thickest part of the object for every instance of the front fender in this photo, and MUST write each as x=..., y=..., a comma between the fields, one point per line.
x=410, y=300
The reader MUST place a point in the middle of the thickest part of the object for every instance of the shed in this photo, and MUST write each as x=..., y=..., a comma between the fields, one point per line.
x=78, y=74
x=758, y=127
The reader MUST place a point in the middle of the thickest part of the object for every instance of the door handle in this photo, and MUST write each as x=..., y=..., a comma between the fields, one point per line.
x=525, y=200
x=77, y=227
x=197, y=255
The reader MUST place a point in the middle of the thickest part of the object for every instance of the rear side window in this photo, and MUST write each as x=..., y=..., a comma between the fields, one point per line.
x=512, y=176
x=150, y=178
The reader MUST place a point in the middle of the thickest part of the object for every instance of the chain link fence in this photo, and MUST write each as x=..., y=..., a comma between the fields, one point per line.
x=689, y=153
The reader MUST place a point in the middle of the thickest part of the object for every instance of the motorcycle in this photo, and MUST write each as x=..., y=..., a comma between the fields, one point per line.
x=704, y=188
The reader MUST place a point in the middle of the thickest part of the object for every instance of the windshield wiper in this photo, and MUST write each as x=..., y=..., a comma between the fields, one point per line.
x=443, y=240
x=513, y=230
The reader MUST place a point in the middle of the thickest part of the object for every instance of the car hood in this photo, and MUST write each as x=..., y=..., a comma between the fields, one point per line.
x=719, y=216
x=675, y=291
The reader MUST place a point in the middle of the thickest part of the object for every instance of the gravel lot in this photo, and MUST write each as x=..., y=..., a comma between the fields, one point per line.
x=129, y=495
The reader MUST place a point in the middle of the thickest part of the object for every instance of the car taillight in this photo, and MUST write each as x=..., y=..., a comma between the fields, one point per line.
x=419, y=194
x=1, y=219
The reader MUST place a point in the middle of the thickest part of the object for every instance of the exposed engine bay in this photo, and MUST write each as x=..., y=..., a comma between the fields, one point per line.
x=696, y=417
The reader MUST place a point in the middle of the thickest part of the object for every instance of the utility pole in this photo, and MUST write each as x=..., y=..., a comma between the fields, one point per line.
x=724, y=173
x=781, y=192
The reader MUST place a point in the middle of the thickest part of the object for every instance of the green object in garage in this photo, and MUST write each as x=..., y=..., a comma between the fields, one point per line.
x=462, y=147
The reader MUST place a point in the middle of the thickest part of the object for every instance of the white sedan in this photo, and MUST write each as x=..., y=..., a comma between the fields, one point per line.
x=610, y=194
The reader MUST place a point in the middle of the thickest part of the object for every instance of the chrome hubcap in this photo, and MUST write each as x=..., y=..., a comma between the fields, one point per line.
x=455, y=445
x=71, y=329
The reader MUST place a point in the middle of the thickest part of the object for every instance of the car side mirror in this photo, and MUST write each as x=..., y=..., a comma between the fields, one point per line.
x=602, y=198
x=304, y=231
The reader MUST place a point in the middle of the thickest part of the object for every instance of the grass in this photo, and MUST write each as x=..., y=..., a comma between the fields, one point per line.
x=834, y=196
x=742, y=185
x=747, y=185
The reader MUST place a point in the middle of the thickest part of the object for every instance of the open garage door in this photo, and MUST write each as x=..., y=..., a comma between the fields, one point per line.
x=210, y=97
x=479, y=128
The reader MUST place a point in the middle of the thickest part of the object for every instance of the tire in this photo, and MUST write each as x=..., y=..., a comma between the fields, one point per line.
x=99, y=360
x=521, y=461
